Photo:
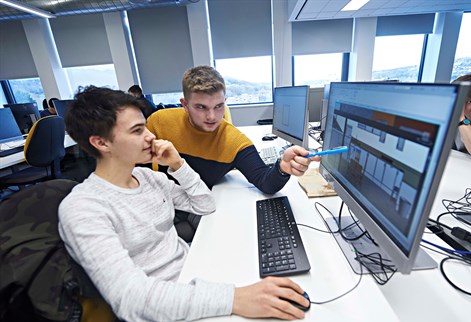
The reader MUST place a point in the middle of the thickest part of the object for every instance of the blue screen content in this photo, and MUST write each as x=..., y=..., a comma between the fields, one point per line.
x=395, y=134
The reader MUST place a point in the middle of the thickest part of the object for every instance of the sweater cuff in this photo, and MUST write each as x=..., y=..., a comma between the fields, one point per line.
x=278, y=166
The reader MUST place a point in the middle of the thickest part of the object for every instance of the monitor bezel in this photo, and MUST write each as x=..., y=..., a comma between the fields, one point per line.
x=403, y=262
x=304, y=141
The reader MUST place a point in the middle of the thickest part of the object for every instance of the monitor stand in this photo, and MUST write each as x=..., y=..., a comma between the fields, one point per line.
x=366, y=246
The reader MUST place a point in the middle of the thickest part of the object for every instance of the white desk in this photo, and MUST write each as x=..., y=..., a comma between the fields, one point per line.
x=224, y=249
x=11, y=160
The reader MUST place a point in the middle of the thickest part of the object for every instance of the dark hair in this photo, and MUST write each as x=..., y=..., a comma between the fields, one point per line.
x=136, y=89
x=202, y=79
x=51, y=100
x=93, y=112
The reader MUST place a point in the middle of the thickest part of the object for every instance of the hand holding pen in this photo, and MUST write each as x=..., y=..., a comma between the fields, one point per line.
x=339, y=149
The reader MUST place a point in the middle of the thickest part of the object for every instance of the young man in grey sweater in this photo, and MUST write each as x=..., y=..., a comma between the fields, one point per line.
x=118, y=224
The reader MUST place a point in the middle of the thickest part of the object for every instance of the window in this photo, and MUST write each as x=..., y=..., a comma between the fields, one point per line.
x=98, y=75
x=28, y=90
x=167, y=98
x=248, y=80
x=462, y=64
x=397, y=57
x=317, y=70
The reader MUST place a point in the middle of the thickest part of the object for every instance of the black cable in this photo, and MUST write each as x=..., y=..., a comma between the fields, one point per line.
x=316, y=204
x=342, y=295
x=442, y=270
x=439, y=223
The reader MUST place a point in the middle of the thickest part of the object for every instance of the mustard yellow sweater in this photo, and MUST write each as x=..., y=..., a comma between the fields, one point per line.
x=213, y=154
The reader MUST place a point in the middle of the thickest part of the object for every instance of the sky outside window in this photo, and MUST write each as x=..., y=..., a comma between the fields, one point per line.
x=397, y=57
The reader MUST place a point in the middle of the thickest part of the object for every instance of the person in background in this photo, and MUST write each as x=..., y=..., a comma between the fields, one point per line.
x=136, y=91
x=211, y=145
x=48, y=107
x=118, y=223
x=463, y=138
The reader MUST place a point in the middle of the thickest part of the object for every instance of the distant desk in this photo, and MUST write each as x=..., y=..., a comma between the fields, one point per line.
x=224, y=249
x=17, y=158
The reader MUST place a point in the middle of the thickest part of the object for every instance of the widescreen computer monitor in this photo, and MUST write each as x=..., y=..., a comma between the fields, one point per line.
x=9, y=130
x=291, y=114
x=26, y=114
x=316, y=94
x=61, y=106
x=399, y=137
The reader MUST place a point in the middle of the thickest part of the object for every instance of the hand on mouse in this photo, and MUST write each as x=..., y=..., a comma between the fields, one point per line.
x=269, y=299
x=293, y=160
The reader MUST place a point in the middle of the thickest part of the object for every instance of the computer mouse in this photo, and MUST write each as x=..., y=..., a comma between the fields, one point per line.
x=299, y=306
x=268, y=138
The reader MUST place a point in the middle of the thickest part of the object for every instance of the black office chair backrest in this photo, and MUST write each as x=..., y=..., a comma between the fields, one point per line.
x=34, y=264
x=45, y=142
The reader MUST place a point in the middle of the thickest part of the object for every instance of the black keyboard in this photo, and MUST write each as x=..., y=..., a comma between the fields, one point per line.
x=11, y=151
x=280, y=248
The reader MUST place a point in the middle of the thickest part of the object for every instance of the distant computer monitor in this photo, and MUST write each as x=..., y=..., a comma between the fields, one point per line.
x=9, y=130
x=316, y=94
x=325, y=103
x=291, y=114
x=26, y=114
x=399, y=137
x=61, y=106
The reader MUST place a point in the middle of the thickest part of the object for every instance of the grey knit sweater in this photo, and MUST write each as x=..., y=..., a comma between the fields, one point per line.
x=126, y=242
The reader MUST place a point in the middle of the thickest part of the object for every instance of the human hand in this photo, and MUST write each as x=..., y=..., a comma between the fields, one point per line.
x=266, y=299
x=294, y=161
x=164, y=153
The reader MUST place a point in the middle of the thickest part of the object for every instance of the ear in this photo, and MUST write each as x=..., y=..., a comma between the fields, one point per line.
x=99, y=143
x=184, y=104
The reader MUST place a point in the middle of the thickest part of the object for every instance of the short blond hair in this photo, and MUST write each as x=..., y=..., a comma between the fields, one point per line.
x=202, y=79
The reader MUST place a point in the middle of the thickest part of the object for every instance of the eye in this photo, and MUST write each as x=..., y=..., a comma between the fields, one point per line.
x=219, y=107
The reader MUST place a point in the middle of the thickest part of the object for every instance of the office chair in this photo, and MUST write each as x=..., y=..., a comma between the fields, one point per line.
x=43, y=150
x=40, y=281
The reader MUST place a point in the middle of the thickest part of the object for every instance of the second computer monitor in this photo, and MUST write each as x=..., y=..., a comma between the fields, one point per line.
x=291, y=114
x=9, y=130
x=316, y=95
x=61, y=106
x=26, y=114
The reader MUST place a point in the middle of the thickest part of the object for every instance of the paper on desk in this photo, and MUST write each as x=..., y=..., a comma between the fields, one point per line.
x=314, y=185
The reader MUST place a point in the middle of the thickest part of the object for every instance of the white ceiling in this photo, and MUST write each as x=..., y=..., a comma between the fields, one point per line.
x=301, y=10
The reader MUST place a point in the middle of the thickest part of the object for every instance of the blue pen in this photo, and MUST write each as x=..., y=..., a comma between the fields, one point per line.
x=339, y=149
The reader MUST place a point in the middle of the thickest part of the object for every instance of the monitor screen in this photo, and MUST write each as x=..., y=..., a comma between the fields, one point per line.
x=9, y=130
x=26, y=114
x=316, y=95
x=291, y=114
x=399, y=137
x=61, y=106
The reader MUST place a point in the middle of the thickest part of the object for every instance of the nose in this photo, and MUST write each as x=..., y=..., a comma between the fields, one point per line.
x=149, y=135
x=210, y=114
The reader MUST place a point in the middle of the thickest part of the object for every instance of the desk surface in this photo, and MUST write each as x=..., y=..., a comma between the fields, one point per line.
x=19, y=157
x=420, y=296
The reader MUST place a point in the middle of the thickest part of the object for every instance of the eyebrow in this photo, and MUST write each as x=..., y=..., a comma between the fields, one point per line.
x=138, y=125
